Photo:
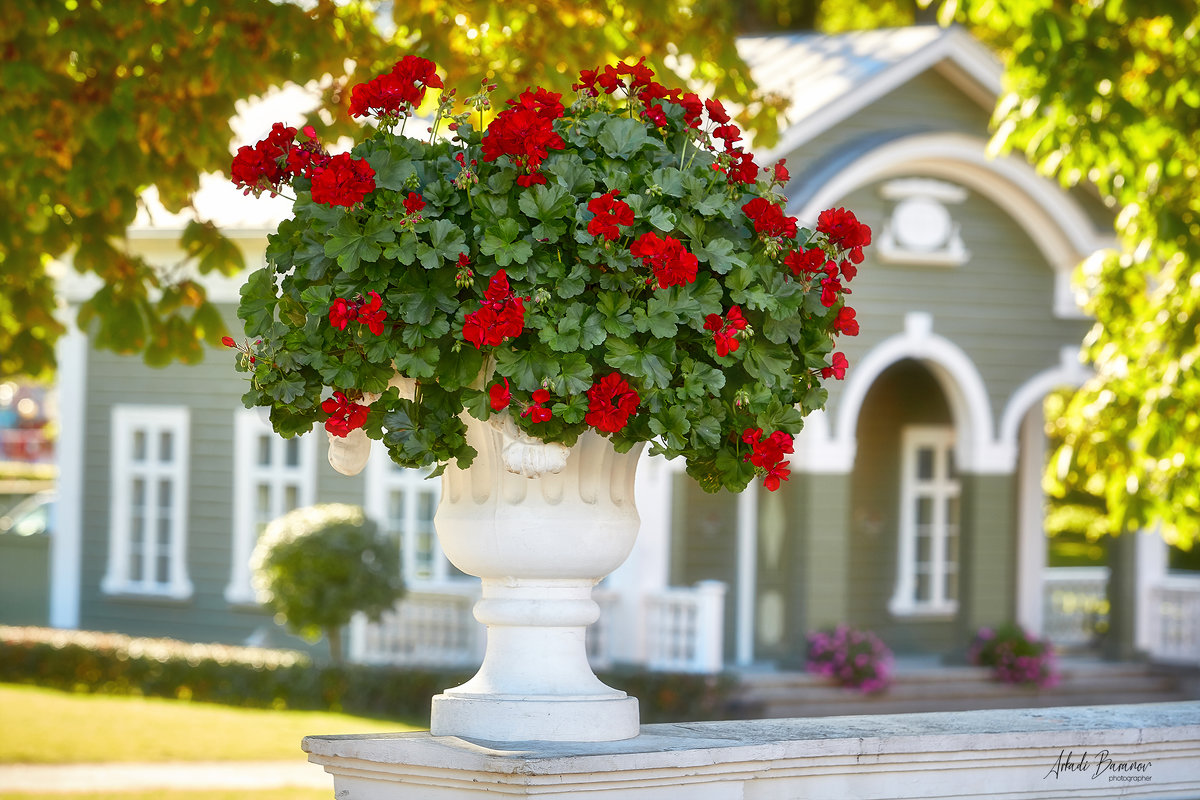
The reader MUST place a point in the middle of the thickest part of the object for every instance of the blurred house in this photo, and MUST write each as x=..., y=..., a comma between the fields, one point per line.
x=914, y=508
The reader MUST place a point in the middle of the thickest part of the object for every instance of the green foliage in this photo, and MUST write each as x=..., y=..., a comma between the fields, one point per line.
x=108, y=663
x=1106, y=94
x=103, y=100
x=316, y=567
x=589, y=306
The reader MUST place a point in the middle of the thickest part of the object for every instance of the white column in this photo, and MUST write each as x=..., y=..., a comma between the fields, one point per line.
x=66, y=540
x=1031, y=542
x=747, y=575
x=1151, y=570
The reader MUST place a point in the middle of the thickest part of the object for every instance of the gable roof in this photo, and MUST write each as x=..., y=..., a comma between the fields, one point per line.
x=826, y=78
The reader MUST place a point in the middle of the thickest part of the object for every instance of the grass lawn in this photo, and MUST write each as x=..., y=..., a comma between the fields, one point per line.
x=45, y=726
x=203, y=794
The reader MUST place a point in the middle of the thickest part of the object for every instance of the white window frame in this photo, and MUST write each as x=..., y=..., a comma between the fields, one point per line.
x=152, y=421
x=249, y=427
x=941, y=488
x=382, y=478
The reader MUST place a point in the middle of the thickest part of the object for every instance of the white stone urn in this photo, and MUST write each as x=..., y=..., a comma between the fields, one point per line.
x=540, y=524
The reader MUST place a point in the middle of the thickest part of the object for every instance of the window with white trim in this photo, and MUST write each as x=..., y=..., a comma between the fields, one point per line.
x=402, y=502
x=271, y=476
x=927, y=563
x=147, y=546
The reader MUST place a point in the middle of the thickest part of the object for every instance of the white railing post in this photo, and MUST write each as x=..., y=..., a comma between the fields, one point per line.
x=710, y=627
x=1074, y=599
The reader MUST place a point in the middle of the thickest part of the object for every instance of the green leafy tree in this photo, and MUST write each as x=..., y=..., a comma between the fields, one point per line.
x=1107, y=94
x=104, y=100
x=316, y=567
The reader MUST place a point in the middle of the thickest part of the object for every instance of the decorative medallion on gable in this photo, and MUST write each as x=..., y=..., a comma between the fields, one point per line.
x=920, y=228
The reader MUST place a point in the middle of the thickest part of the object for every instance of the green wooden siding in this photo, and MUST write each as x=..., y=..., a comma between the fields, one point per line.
x=704, y=542
x=212, y=390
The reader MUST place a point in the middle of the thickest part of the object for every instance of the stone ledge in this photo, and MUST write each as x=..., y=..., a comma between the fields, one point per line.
x=1098, y=751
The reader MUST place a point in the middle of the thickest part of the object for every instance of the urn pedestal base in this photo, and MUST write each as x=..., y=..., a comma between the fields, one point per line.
x=540, y=525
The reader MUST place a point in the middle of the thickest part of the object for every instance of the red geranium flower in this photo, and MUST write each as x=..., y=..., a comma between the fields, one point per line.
x=341, y=313
x=838, y=367
x=611, y=402
x=671, y=263
x=537, y=412
x=802, y=260
x=525, y=133
x=767, y=454
x=500, y=317
x=344, y=415
x=344, y=181
x=395, y=93
x=845, y=322
x=499, y=395
x=413, y=203
x=769, y=220
x=845, y=231
x=725, y=330
x=609, y=213
x=372, y=314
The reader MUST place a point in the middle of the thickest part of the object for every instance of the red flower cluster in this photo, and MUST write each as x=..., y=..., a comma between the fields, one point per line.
x=845, y=322
x=767, y=454
x=501, y=316
x=802, y=260
x=394, y=94
x=769, y=220
x=525, y=133
x=845, y=231
x=536, y=411
x=725, y=329
x=344, y=181
x=272, y=162
x=344, y=415
x=612, y=77
x=611, y=402
x=672, y=264
x=609, y=213
x=370, y=313
x=837, y=368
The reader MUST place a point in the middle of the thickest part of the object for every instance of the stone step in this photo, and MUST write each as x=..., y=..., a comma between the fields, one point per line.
x=783, y=695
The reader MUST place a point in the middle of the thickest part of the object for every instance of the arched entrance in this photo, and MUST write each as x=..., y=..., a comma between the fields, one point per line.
x=905, y=512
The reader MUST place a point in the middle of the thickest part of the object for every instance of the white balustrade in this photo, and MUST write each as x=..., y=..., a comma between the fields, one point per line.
x=1175, y=620
x=433, y=626
x=430, y=627
x=684, y=628
x=1075, y=602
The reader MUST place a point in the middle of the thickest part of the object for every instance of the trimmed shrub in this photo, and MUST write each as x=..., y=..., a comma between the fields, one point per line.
x=107, y=663
x=316, y=567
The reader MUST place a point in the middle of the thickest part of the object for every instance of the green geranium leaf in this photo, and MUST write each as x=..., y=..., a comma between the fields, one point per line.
x=662, y=218
x=575, y=374
x=501, y=244
x=651, y=364
x=767, y=363
x=351, y=244
x=614, y=310
x=257, y=307
x=622, y=137
x=458, y=366
x=446, y=243
x=418, y=363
